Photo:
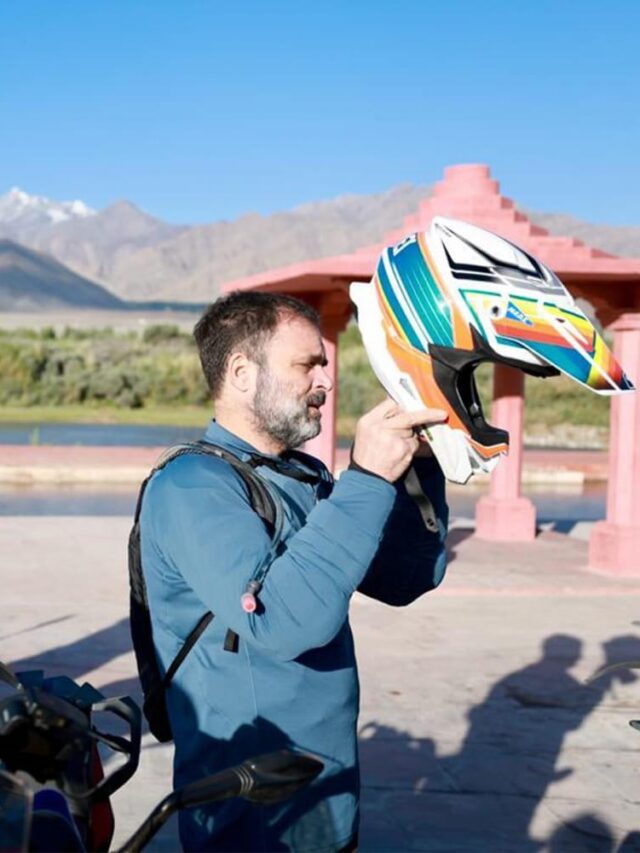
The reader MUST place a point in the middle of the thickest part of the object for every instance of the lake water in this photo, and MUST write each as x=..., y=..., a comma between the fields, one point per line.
x=562, y=507
x=98, y=435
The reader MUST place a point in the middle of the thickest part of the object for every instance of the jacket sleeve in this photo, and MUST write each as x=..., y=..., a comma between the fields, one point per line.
x=411, y=559
x=198, y=517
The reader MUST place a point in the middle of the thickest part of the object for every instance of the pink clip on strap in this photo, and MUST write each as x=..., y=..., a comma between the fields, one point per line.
x=248, y=602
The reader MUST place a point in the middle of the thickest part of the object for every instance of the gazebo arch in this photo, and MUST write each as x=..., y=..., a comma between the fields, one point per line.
x=611, y=284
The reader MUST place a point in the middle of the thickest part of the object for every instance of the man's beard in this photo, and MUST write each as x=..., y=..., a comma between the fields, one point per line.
x=282, y=416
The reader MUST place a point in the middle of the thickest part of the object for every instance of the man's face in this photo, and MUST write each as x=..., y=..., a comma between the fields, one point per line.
x=292, y=384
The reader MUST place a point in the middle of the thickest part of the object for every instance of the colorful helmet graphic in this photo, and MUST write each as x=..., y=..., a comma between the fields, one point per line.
x=443, y=301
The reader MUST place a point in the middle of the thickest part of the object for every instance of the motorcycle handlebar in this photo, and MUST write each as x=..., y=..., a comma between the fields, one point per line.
x=265, y=780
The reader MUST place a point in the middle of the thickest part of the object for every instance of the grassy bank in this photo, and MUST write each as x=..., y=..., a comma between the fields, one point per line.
x=178, y=416
x=154, y=377
x=81, y=414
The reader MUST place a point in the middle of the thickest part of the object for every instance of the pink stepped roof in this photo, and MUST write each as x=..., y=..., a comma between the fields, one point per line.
x=469, y=193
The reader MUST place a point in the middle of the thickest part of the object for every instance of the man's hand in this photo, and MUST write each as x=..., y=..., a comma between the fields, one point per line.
x=386, y=441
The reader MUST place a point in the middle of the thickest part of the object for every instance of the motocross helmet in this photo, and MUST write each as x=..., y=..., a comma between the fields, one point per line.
x=445, y=300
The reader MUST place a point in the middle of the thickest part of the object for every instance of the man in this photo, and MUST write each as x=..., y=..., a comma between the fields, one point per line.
x=293, y=679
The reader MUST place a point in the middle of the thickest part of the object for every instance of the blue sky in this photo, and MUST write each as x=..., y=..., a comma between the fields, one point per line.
x=202, y=110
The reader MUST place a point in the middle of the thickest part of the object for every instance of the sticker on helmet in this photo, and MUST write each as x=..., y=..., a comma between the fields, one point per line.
x=514, y=313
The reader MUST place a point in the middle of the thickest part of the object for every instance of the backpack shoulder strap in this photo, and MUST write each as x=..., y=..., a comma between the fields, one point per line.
x=170, y=454
x=264, y=502
x=310, y=462
x=323, y=477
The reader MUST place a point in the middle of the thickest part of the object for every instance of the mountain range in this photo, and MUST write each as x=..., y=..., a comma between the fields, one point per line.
x=136, y=256
x=32, y=281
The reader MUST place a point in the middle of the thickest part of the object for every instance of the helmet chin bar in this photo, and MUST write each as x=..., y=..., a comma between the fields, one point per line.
x=453, y=370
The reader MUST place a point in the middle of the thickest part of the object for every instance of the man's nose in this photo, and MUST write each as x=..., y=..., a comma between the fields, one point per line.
x=322, y=378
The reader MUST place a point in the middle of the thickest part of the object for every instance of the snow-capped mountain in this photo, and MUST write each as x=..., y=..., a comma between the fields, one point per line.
x=21, y=213
x=139, y=257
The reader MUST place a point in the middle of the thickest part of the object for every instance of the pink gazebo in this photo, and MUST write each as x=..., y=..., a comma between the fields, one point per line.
x=611, y=284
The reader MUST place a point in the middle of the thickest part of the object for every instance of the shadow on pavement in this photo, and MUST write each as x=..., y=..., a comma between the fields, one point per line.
x=455, y=538
x=82, y=655
x=483, y=798
x=47, y=624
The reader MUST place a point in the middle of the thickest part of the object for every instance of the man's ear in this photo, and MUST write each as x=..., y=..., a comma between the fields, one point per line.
x=241, y=372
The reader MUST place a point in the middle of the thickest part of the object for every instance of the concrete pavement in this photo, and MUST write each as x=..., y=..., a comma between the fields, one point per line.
x=478, y=732
x=25, y=463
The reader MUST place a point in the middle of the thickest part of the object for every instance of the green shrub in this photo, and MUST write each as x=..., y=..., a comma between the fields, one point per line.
x=161, y=333
x=160, y=366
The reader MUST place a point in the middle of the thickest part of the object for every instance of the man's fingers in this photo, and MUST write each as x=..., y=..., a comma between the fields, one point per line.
x=389, y=411
x=386, y=409
x=422, y=417
x=405, y=432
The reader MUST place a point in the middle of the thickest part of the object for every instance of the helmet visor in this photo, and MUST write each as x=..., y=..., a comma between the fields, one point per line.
x=565, y=339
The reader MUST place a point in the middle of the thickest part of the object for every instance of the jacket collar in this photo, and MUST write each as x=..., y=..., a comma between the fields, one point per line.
x=217, y=434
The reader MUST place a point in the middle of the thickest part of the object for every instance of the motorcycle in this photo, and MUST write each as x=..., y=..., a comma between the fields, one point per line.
x=54, y=794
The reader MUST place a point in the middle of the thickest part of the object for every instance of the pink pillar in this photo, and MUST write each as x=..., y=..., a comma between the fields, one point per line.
x=504, y=515
x=324, y=446
x=614, y=545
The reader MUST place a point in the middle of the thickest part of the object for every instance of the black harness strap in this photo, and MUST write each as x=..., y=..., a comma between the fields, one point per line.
x=414, y=490
x=282, y=466
x=189, y=643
